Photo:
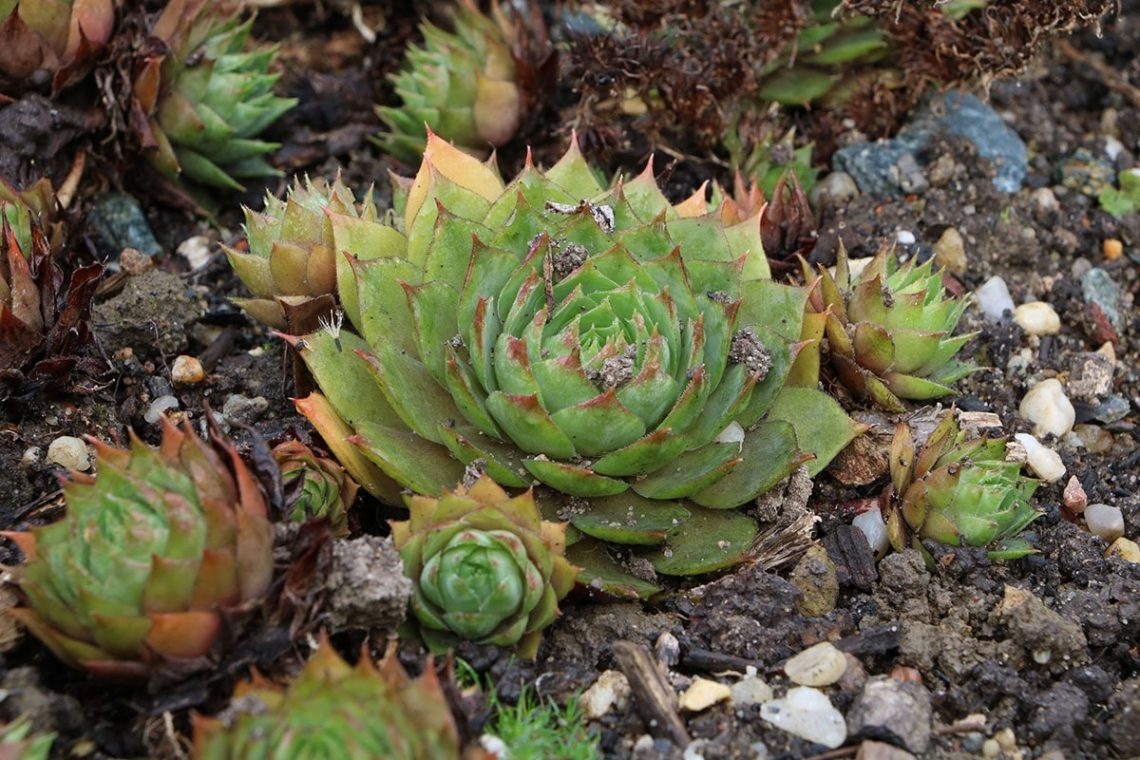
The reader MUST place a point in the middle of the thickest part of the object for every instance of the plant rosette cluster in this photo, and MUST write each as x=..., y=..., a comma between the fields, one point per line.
x=598, y=340
x=957, y=491
x=889, y=330
x=461, y=84
x=60, y=38
x=17, y=742
x=314, y=486
x=153, y=550
x=201, y=99
x=484, y=567
x=334, y=710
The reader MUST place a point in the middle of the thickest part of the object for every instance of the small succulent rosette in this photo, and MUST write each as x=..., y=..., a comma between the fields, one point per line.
x=314, y=486
x=334, y=710
x=484, y=567
x=890, y=329
x=205, y=98
x=957, y=491
x=60, y=38
x=153, y=550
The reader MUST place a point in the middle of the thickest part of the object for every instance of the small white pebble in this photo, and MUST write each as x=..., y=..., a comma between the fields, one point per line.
x=159, y=407
x=994, y=298
x=990, y=748
x=70, y=452
x=1037, y=318
x=1048, y=408
x=751, y=690
x=905, y=237
x=1045, y=199
x=1126, y=549
x=1105, y=521
x=610, y=690
x=873, y=527
x=1042, y=460
x=818, y=665
x=30, y=457
x=187, y=370
x=1112, y=148
x=495, y=746
x=196, y=251
x=703, y=694
x=809, y=714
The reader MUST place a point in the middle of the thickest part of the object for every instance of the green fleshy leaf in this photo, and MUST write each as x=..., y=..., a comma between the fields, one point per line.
x=822, y=427
x=575, y=480
x=410, y=460
x=599, y=571
x=770, y=455
x=710, y=540
x=691, y=472
x=630, y=519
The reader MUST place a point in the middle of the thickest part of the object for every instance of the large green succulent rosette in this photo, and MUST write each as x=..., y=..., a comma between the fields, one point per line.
x=618, y=349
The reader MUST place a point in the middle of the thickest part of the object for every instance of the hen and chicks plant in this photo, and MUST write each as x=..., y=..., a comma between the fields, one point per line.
x=54, y=41
x=153, y=551
x=596, y=339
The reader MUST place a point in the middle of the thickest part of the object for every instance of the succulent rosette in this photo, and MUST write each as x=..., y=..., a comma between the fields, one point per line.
x=314, y=486
x=484, y=566
x=957, y=491
x=335, y=710
x=59, y=37
x=462, y=84
x=18, y=743
x=152, y=551
x=890, y=329
x=291, y=263
x=202, y=98
x=617, y=348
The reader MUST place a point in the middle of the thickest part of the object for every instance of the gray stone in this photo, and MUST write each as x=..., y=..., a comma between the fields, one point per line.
x=885, y=167
x=896, y=711
x=837, y=187
x=1091, y=375
x=367, y=589
x=121, y=224
x=1098, y=287
x=1086, y=174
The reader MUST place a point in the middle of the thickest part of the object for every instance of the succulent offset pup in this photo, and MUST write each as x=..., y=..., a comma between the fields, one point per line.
x=205, y=99
x=890, y=332
x=314, y=486
x=18, y=743
x=58, y=37
x=461, y=84
x=484, y=566
x=333, y=710
x=612, y=346
x=291, y=263
x=151, y=551
x=957, y=491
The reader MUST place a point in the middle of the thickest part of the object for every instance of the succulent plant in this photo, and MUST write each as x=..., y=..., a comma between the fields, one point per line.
x=203, y=99
x=314, y=486
x=335, y=710
x=615, y=346
x=33, y=205
x=957, y=491
x=890, y=329
x=58, y=37
x=484, y=566
x=291, y=262
x=16, y=744
x=43, y=315
x=462, y=84
x=151, y=553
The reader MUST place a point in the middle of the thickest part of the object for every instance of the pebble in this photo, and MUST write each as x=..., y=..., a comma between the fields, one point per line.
x=1037, y=318
x=609, y=691
x=818, y=665
x=1098, y=287
x=1042, y=460
x=990, y=748
x=950, y=251
x=808, y=714
x=905, y=237
x=1113, y=249
x=1074, y=497
x=873, y=527
x=1127, y=549
x=1094, y=438
x=70, y=452
x=1048, y=408
x=187, y=370
x=1105, y=521
x=869, y=750
x=242, y=409
x=196, y=251
x=837, y=187
x=897, y=710
x=30, y=457
x=159, y=407
x=994, y=298
x=1112, y=409
x=119, y=220
x=751, y=690
x=1006, y=739
x=1091, y=374
x=1045, y=199
x=814, y=575
x=703, y=694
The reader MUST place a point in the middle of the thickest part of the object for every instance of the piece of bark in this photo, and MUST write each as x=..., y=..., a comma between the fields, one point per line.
x=852, y=556
x=655, y=699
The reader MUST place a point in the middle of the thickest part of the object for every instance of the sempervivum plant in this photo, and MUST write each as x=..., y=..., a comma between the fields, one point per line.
x=890, y=329
x=43, y=315
x=314, y=486
x=17, y=743
x=957, y=491
x=598, y=340
x=335, y=710
x=291, y=263
x=484, y=566
x=58, y=37
x=151, y=553
x=204, y=98
x=461, y=84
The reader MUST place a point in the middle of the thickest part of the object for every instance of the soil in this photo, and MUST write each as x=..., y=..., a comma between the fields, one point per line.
x=1047, y=646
